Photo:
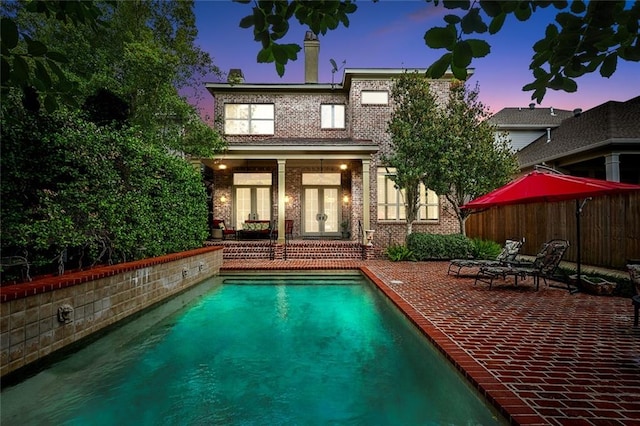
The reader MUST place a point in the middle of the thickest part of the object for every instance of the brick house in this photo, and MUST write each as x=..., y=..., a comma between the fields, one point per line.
x=311, y=153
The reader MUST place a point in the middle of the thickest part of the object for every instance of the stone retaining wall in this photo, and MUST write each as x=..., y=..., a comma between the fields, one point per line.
x=50, y=313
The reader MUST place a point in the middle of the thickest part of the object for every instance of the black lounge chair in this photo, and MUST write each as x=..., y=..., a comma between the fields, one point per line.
x=506, y=257
x=544, y=266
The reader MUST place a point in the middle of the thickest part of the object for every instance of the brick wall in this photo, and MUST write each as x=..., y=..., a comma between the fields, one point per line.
x=298, y=116
x=31, y=327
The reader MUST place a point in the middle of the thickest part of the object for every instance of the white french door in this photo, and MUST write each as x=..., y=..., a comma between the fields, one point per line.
x=321, y=208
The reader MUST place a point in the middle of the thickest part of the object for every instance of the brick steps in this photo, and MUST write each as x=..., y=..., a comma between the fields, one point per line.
x=294, y=250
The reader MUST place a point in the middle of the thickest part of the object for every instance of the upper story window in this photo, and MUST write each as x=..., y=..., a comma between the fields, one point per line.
x=332, y=116
x=391, y=200
x=374, y=97
x=249, y=119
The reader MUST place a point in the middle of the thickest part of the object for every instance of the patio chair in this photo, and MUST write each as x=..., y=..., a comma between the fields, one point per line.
x=506, y=257
x=544, y=266
x=226, y=231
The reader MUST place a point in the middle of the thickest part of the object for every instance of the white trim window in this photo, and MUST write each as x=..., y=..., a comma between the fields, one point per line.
x=374, y=97
x=391, y=200
x=332, y=116
x=252, y=195
x=249, y=119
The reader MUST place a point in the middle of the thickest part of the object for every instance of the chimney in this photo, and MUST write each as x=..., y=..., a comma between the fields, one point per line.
x=532, y=105
x=235, y=76
x=577, y=112
x=311, y=51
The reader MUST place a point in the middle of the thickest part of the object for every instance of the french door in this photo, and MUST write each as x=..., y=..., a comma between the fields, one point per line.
x=321, y=208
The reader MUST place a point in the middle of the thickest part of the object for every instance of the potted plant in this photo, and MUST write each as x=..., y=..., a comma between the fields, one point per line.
x=595, y=285
x=344, y=227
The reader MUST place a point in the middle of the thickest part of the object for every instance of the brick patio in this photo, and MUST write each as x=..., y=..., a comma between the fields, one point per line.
x=546, y=357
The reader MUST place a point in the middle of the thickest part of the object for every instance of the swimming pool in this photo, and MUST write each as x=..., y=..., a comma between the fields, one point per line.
x=255, y=349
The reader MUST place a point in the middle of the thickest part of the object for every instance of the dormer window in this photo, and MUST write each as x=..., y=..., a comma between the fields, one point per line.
x=332, y=116
x=249, y=119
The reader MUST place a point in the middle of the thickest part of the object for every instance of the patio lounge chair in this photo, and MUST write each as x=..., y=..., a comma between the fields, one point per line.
x=544, y=265
x=506, y=256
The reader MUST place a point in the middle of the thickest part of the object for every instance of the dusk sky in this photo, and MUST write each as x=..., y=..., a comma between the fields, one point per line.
x=390, y=34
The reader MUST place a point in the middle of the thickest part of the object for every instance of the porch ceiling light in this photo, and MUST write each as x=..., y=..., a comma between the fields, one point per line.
x=343, y=166
x=222, y=166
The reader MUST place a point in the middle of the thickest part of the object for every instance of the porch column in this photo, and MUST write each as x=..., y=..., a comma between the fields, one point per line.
x=281, y=203
x=612, y=165
x=366, y=197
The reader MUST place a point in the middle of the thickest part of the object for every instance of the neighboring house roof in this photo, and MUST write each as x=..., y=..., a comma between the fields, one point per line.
x=529, y=118
x=607, y=126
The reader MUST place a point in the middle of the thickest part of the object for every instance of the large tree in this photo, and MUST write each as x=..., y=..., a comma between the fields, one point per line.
x=143, y=52
x=447, y=145
x=473, y=160
x=586, y=36
x=416, y=139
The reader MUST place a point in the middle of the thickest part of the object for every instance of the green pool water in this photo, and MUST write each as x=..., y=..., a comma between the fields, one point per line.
x=312, y=350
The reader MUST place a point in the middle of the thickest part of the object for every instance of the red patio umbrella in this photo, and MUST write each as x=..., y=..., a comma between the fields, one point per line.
x=540, y=186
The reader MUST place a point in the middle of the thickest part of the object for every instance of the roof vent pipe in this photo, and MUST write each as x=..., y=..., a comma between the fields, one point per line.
x=532, y=105
x=552, y=112
x=548, y=134
x=577, y=112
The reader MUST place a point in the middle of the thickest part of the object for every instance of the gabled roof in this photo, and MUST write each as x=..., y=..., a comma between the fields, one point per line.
x=529, y=118
x=610, y=124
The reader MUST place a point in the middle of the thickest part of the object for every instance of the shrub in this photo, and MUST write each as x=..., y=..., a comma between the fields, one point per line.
x=398, y=252
x=485, y=249
x=434, y=246
x=90, y=195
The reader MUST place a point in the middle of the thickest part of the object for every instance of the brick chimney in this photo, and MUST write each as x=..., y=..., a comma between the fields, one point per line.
x=235, y=76
x=311, y=51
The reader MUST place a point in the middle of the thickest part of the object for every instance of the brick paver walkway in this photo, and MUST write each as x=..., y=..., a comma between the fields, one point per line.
x=545, y=357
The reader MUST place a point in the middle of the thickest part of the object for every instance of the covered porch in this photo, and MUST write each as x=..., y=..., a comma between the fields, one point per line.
x=322, y=186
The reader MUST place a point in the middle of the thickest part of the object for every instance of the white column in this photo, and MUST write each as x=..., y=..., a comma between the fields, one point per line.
x=281, y=202
x=366, y=197
x=612, y=165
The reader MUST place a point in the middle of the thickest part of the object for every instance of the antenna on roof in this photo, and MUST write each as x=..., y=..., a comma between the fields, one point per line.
x=335, y=69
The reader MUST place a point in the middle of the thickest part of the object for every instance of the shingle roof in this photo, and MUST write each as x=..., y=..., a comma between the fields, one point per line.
x=526, y=117
x=605, y=124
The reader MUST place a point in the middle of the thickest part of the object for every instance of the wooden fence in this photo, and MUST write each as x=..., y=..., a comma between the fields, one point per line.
x=610, y=227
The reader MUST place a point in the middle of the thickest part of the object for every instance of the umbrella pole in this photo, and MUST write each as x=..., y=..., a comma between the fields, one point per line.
x=579, y=207
x=578, y=214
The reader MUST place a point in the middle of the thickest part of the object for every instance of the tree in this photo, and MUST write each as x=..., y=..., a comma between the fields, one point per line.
x=143, y=52
x=449, y=147
x=473, y=161
x=27, y=62
x=586, y=37
x=416, y=139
